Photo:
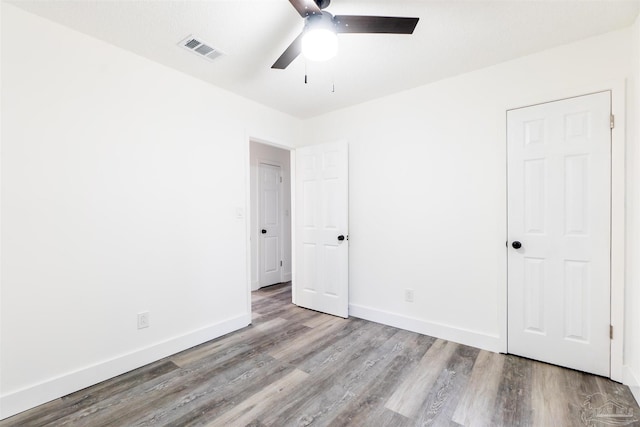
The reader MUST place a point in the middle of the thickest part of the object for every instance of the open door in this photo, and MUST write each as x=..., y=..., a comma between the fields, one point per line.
x=321, y=278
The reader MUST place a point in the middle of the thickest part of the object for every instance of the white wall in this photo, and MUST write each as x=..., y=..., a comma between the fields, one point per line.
x=279, y=157
x=428, y=187
x=120, y=184
x=632, y=300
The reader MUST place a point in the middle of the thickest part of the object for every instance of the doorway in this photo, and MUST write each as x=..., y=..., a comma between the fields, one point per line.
x=270, y=217
x=559, y=231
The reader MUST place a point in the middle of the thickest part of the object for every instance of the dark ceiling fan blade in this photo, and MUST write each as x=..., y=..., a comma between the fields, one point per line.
x=289, y=54
x=374, y=24
x=306, y=7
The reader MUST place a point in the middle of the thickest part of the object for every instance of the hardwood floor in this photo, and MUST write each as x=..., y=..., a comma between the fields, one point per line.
x=296, y=367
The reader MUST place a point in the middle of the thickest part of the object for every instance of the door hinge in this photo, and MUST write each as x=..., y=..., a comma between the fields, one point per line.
x=612, y=121
x=280, y=179
x=280, y=263
x=610, y=332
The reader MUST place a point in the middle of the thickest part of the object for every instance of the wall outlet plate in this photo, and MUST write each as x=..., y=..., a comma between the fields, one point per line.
x=143, y=320
x=408, y=295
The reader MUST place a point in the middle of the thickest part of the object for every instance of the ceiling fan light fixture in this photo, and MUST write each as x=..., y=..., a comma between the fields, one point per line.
x=319, y=44
x=319, y=40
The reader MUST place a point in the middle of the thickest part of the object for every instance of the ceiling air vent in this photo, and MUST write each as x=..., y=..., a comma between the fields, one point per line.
x=199, y=47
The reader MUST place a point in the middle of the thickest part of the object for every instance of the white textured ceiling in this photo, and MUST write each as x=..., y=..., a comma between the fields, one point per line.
x=452, y=37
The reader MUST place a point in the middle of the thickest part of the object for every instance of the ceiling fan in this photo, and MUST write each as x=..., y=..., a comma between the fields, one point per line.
x=319, y=34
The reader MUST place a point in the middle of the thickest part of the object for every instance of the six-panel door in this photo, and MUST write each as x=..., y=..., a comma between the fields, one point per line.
x=559, y=186
x=269, y=219
x=322, y=256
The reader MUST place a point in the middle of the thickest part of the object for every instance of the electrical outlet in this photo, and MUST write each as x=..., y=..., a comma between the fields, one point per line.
x=143, y=320
x=408, y=295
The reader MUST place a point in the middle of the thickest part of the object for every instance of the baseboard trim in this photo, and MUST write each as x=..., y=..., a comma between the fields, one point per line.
x=630, y=379
x=30, y=397
x=447, y=332
x=286, y=277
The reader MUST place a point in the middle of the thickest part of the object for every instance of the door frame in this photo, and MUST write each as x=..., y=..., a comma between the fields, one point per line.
x=249, y=138
x=262, y=161
x=618, y=101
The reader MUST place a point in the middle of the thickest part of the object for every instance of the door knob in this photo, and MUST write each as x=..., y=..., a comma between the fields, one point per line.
x=264, y=231
x=341, y=237
x=516, y=244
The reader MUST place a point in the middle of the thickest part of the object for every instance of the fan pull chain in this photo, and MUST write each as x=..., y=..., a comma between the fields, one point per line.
x=333, y=80
x=305, y=71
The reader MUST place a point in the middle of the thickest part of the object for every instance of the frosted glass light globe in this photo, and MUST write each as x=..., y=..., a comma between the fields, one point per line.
x=319, y=44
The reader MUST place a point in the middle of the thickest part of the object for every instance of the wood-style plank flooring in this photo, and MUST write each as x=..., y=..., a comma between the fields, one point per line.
x=296, y=367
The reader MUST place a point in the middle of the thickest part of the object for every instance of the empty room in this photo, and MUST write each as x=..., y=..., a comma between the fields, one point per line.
x=314, y=212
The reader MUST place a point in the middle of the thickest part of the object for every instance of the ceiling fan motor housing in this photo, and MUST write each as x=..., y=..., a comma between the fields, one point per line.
x=320, y=21
x=323, y=3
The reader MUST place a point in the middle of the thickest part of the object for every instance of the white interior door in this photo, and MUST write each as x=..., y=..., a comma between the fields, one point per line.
x=321, y=277
x=559, y=186
x=269, y=223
